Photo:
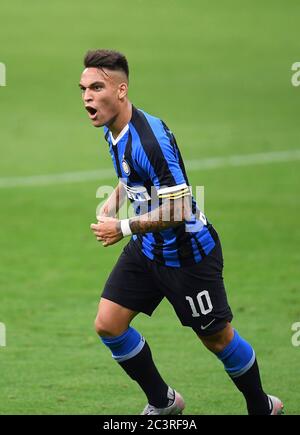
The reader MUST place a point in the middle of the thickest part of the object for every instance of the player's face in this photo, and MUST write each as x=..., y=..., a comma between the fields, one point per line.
x=101, y=95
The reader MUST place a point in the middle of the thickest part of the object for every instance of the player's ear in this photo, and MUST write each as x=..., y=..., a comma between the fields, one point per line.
x=123, y=90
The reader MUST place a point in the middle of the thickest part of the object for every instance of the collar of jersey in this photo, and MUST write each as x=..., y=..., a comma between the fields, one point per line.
x=123, y=132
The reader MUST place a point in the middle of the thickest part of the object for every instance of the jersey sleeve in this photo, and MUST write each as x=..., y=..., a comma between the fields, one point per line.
x=158, y=159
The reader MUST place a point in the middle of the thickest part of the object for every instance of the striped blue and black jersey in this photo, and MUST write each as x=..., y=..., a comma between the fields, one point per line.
x=148, y=162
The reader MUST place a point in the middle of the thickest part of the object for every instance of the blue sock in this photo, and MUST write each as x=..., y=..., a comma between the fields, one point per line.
x=133, y=354
x=125, y=346
x=237, y=357
x=240, y=363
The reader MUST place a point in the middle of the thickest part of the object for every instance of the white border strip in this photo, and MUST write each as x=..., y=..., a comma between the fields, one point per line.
x=245, y=160
x=192, y=165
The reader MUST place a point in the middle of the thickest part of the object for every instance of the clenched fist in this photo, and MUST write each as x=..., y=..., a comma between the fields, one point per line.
x=107, y=230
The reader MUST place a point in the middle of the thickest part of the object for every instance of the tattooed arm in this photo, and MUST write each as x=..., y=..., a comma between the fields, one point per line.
x=170, y=214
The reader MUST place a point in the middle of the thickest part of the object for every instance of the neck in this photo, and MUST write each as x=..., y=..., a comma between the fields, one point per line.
x=121, y=120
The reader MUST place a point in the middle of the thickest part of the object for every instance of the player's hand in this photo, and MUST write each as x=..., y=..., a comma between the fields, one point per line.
x=107, y=230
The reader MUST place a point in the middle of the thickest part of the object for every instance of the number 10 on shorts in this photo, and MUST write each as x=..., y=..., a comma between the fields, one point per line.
x=202, y=297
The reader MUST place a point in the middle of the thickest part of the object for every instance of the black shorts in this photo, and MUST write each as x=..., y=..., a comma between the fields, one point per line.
x=196, y=292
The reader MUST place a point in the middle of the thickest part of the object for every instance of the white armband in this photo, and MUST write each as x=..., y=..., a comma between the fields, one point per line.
x=125, y=227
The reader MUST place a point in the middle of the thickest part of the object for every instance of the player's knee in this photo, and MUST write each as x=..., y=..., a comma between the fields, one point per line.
x=216, y=343
x=108, y=328
x=102, y=327
x=99, y=328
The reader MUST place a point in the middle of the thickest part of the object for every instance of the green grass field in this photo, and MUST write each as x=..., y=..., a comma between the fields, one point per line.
x=220, y=77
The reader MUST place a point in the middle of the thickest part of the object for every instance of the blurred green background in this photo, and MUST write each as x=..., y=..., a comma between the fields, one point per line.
x=219, y=74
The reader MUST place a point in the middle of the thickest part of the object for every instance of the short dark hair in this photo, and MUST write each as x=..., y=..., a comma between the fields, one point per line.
x=109, y=59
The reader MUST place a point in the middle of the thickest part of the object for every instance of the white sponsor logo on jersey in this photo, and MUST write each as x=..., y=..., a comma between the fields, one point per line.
x=137, y=193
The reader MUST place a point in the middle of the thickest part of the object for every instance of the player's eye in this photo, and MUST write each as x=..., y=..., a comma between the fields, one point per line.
x=97, y=88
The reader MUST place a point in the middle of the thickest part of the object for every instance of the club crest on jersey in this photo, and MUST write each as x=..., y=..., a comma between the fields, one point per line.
x=126, y=167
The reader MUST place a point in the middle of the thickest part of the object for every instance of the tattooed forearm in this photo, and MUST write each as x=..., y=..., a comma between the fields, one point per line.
x=170, y=214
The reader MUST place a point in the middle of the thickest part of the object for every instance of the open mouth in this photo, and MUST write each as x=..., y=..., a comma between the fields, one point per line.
x=92, y=111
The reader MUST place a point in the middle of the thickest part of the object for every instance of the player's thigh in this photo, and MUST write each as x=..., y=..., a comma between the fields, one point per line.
x=197, y=294
x=131, y=285
x=112, y=319
x=203, y=305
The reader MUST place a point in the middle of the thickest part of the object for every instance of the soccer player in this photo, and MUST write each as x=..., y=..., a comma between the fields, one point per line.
x=173, y=252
